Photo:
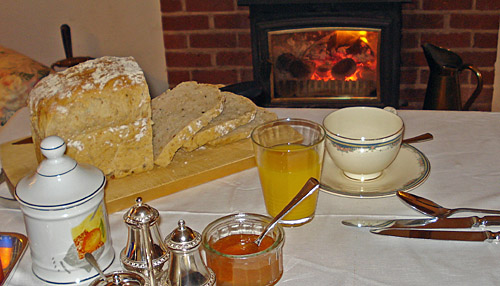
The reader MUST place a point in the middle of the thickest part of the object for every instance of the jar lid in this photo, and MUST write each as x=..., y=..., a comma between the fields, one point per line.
x=183, y=238
x=59, y=181
x=141, y=214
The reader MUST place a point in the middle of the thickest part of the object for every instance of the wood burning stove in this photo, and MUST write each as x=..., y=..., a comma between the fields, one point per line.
x=326, y=53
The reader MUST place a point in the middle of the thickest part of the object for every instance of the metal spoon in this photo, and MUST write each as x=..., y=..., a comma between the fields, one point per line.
x=419, y=138
x=309, y=187
x=430, y=208
x=91, y=260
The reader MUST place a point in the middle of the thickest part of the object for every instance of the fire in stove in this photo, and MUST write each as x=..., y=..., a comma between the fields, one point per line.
x=325, y=62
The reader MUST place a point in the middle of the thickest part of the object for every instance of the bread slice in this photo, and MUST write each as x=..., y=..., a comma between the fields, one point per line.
x=179, y=113
x=238, y=110
x=262, y=116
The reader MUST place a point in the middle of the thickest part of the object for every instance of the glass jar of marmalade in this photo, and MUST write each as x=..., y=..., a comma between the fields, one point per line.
x=224, y=242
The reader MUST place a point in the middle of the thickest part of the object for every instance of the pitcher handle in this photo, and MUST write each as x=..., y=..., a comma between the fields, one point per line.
x=479, y=86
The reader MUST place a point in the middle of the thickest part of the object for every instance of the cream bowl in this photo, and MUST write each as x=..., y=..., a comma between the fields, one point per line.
x=363, y=141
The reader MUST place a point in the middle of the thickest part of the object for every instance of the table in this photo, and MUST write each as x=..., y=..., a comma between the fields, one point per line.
x=465, y=171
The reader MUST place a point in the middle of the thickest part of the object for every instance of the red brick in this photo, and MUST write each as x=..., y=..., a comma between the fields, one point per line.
x=479, y=59
x=246, y=74
x=424, y=75
x=447, y=5
x=232, y=21
x=423, y=21
x=409, y=40
x=175, y=41
x=488, y=77
x=245, y=40
x=482, y=102
x=215, y=40
x=215, y=76
x=447, y=40
x=488, y=5
x=171, y=5
x=413, y=59
x=176, y=77
x=485, y=96
x=234, y=59
x=184, y=23
x=485, y=40
x=474, y=21
x=408, y=76
x=209, y=6
x=415, y=97
x=187, y=59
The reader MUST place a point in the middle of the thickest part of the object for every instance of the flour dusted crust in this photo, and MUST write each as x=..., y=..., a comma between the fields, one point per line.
x=102, y=109
x=262, y=116
x=122, y=150
x=181, y=112
x=238, y=110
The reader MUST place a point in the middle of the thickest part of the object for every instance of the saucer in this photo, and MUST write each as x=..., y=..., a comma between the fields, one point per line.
x=408, y=171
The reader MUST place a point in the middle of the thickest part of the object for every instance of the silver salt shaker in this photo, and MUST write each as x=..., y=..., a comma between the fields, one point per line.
x=145, y=251
x=186, y=266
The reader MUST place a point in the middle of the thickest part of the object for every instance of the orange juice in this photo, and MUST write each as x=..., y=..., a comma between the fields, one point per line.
x=283, y=171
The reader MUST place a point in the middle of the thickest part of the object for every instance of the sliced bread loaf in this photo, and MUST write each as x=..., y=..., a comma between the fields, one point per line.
x=179, y=113
x=261, y=116
x=238, y=110
x=101, y=108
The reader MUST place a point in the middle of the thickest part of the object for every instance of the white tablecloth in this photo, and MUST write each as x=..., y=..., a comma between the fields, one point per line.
x=465, y=171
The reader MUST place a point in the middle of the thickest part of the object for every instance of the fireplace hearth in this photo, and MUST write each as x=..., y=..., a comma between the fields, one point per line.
x=323, y=53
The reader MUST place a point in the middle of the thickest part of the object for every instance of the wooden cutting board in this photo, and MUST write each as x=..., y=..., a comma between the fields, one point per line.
x=187, y=169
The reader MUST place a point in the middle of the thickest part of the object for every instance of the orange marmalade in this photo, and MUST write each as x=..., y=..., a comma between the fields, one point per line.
x=243, y=263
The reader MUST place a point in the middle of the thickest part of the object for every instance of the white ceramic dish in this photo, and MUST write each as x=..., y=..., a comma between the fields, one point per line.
x=408, y=171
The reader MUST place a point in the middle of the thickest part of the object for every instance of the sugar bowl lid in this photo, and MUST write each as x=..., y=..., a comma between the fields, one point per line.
x=59, y=181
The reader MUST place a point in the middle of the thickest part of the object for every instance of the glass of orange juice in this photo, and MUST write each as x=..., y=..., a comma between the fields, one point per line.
x=288, y=152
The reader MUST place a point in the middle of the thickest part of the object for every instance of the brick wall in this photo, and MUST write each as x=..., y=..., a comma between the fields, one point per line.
x=209, y=41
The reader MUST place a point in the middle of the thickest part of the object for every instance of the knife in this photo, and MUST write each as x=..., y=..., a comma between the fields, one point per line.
x=27, y=140
x=431, y=223
x=441, y=234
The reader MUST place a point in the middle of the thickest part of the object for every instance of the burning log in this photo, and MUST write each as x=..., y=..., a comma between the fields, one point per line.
x=284, y=60
x=301, y=69
x=344, y=68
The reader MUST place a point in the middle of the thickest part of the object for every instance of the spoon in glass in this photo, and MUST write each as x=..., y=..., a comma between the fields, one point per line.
x=309, y=187
x=431, y=208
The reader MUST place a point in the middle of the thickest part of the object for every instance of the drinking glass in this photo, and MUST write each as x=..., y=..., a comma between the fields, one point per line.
x=288, y=152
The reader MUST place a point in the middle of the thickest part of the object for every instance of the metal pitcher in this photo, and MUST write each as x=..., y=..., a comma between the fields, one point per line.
x=443, y=88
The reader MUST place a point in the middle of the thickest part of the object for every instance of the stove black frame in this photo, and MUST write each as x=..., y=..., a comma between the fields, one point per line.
x=274, y=15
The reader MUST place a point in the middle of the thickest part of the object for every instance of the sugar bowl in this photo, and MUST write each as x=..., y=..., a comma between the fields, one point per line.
x=65, y=216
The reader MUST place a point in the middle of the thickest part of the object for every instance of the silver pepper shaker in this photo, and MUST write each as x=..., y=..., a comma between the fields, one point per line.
x=145, y=251
x=186, y=266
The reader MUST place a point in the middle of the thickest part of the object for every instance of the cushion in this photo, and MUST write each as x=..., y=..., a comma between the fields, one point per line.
x=18, y=75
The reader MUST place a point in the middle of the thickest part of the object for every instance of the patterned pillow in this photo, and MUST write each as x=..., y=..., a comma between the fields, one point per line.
x=18, y=75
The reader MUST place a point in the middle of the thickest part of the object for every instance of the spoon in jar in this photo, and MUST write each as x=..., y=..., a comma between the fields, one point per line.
x=431, y=208
x=91, y=260
x=419, y=138
x=309, y=187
